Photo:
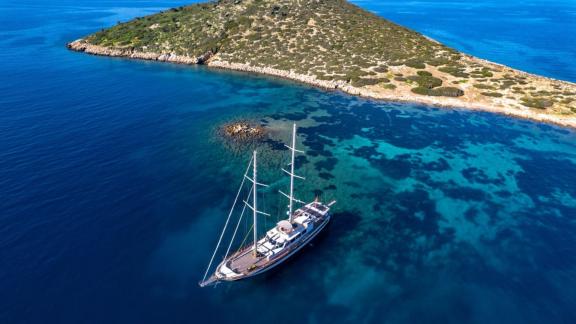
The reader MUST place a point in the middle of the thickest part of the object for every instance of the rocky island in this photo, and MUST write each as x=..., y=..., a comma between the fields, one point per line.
x=242, y=131
x=336, y=45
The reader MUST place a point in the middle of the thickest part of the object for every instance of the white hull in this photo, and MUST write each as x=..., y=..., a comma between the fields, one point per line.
x=280, y=260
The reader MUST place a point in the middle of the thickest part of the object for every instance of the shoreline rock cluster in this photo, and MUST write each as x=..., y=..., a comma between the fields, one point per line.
x=241, y=132
x=443, y=102
x=83, y=46
x=212, y=60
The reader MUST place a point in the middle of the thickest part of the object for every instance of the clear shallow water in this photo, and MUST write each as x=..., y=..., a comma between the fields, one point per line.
x=114, y=189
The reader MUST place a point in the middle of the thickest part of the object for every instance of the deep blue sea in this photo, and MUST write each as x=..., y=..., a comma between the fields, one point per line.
x=114, y=185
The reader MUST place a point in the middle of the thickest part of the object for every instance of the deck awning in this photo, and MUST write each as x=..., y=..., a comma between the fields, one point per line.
x=284, y=226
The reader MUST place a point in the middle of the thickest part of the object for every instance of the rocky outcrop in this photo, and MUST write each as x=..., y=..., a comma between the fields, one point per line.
x=279, y=73
x=242, y=131
x=202, y=59
x=83, y=46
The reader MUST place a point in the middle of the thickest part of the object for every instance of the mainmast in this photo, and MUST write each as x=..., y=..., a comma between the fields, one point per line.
x=292, y=171
x=291, y=197
x=254, y=208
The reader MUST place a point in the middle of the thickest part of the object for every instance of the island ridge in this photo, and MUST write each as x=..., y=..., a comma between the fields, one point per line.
x=336, y=45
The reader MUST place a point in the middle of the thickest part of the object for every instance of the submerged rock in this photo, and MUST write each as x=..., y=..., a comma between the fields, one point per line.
x=242, y=132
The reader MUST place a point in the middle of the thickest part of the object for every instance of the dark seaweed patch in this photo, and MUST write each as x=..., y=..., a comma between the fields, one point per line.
x=475, y=175
x=537, y=180
x=330, y=187
x=352, y=184
x=325, y=175
x=465, y=194
x=503, y=194
x=326, y=164
x=397, y=168
x=292, y=116
x=300, y=160
x=440, y=165
x=275, y=145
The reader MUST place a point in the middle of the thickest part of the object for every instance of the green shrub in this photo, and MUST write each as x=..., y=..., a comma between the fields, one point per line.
x=381, y=69
x=324, y=77
x=538, y=103
x=507, y=84
x=492, y=94
x=454, y=71
x=415, y=63
x=484, y=87
x=421, y=91
x=426, y=81
x=438, y=61
x=355, y=74
x=486, y=73
x=439, y=92
x=361, y=82
x=447, y=92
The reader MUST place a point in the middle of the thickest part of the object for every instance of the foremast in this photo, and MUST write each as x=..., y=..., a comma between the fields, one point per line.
x=212, y=279
x=254, y=202
x=254, y=205
x=292, y=175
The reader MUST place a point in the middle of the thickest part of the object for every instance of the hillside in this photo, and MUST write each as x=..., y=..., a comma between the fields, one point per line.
x=334, y=44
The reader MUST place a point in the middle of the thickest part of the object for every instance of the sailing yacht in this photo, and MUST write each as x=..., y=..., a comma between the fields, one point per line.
x=286, y=238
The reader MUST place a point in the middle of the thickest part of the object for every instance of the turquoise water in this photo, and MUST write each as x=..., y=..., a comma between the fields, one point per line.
x=114, y=188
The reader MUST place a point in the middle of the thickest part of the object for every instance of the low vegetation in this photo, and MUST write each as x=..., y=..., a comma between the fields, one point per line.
x=441, y=91
x=332, y=40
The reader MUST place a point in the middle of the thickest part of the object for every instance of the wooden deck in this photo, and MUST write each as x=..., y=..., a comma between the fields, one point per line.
x=245, y=262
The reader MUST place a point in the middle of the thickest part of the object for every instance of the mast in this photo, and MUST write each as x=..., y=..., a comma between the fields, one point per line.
x=291, y=197
x=254, y=208
x=204, y=282
x=290, y=206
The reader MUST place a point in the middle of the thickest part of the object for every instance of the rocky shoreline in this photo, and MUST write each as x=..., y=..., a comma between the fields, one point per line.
x=369, y=92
